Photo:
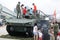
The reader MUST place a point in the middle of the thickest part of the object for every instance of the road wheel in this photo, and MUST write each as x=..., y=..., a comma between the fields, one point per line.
x=10, y=30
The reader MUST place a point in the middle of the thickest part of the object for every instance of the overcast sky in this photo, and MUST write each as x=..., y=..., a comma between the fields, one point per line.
x=47, y=6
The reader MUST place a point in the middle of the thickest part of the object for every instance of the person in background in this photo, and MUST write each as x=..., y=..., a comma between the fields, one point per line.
x=52, y=33
x=56, y=28
x=18, y=10
x=58, y=35
x=40, y=34
x=35, y=31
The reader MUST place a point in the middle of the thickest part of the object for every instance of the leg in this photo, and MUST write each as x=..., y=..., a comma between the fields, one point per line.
x=34, y=37
x=17, y=14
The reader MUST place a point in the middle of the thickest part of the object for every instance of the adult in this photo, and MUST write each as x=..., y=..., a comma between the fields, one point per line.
x=35, y=31
x=18, y=10
x=52, y=33
x=56, y=28
x=34, y=8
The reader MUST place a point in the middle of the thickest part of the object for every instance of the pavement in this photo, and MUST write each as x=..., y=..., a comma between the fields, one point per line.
x=8, y=39
x=4, y=32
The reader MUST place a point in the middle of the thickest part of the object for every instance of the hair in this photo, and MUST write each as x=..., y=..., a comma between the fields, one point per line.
x=18, y=2
x=33, y=3
x=35, y=24
x=31, y=8
x=51, y=27
x=22, y=5
x=25, y=7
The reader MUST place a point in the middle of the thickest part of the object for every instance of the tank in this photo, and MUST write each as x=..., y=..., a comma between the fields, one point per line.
x=23, y=26
x=20, y=26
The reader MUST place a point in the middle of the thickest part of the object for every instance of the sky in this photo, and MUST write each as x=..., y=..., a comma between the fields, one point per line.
x=47, y=6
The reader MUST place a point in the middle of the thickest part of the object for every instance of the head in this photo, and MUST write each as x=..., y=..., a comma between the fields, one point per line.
x=22, y=5
x=51, y=27
x=35, y=24
x=25, y=7
x=33, y=4
x=55, y=22
x=18, y=2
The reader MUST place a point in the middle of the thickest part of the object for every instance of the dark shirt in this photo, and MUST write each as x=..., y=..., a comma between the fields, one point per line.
x=18, y=7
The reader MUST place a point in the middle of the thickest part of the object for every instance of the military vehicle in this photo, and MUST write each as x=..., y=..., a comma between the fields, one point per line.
x=23, y=26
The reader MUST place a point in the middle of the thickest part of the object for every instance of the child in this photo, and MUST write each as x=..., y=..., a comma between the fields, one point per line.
x=40, y=34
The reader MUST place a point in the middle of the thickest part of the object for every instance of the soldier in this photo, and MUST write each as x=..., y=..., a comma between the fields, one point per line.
x=18, y=10
x=56, y=28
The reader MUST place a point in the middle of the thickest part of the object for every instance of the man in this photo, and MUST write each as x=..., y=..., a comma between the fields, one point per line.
x=56, y=28
x=18, y=10
x=34, y=8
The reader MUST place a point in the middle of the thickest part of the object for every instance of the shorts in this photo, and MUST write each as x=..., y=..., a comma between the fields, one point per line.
x=35, y=33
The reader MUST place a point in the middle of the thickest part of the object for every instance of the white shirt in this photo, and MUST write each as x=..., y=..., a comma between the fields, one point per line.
x=40, y=33
x=35, y=29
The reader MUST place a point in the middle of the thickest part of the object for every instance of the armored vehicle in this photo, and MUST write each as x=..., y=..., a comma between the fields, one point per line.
x=20, y=26
x=23, y=26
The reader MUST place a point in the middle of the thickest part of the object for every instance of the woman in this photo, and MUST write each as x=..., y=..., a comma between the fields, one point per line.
x=35, y=31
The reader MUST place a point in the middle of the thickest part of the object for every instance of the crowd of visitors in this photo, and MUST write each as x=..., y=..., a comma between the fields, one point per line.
x=23, y=10
x=54, y=32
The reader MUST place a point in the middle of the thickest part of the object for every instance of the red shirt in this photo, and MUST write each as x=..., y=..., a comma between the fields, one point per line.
x=24, y=11
x=35, y=8
x=59, y=33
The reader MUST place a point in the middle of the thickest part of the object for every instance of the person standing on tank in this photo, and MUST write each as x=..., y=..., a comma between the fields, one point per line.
x=18, y=10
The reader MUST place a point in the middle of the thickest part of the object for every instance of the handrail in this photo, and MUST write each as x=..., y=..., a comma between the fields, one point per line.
x=9, y=14
x=7, y=11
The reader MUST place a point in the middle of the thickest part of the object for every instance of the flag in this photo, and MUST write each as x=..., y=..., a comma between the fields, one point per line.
x=54, y=14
